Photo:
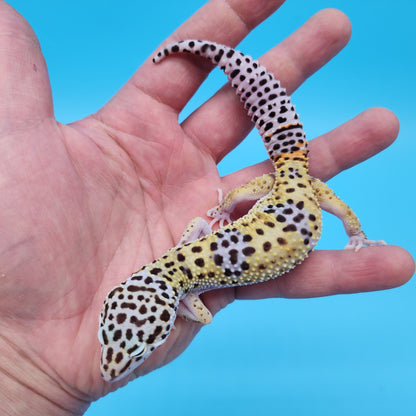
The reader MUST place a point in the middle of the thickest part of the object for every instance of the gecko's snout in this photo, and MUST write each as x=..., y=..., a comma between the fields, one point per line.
x=117, y=364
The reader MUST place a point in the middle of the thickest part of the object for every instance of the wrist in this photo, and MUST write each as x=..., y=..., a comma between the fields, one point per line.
x=27, y=390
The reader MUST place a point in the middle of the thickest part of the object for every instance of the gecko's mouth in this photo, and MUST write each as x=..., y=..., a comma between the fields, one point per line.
x=116, y=365
x=116, y=369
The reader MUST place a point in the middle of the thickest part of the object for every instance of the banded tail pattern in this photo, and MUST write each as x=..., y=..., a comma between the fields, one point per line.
x=266, y=102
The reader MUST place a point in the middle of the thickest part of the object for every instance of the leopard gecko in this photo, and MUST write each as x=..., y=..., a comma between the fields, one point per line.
x=278, y=233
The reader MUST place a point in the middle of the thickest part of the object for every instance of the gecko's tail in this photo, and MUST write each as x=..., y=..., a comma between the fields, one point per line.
x=265, y=100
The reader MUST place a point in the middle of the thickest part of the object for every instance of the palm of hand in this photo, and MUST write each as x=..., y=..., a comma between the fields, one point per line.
x=85, y=205
x=90, y=209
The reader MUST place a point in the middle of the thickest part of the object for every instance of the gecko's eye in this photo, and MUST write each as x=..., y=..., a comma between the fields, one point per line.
x=137, y=350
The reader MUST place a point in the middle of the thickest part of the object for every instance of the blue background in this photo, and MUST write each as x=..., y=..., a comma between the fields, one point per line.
x=341, y=355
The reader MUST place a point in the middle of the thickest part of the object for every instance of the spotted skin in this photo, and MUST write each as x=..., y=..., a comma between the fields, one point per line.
x=278, y=233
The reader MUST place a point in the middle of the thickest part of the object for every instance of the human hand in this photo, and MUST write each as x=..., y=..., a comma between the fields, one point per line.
x=86, y=204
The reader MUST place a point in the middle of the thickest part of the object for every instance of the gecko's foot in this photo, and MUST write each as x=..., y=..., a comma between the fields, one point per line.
x=223, y=218
x=197, y=228
x=219, y=213
x=358, y=241
x=192, y=309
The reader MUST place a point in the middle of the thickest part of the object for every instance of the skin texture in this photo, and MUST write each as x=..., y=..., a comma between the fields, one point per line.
x=85, y=204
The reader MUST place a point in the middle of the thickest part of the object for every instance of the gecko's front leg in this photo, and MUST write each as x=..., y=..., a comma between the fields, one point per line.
x=191, y=308
x=252, y=191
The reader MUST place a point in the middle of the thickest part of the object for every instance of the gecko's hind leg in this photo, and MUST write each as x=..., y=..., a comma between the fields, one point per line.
x=334, y=205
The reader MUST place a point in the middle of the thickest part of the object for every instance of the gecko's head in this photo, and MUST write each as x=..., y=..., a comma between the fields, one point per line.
x=136, y=318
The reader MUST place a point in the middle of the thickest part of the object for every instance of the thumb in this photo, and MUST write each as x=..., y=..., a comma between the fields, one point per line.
x=25, y=93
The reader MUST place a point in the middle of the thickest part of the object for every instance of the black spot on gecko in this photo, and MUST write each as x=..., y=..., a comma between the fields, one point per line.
x=218, y=259
x=234, y=73
x=159, y=301
x=117, y=335
x=200, y=262
x=217, y=57
x=234, y=239
x=137, y=322
x=132, y=349
x=104, y=337
x=114, y=291
x=109, y=356
x=281, y=241
x=290, y=228
x=128, y=305
x=119, y=358
x=188, y=274
x=121, y=317
x=298, y=217
x=136, y=277
x=151, y=338
x=248, y=251
x=244, y=265
x=233, y=256
x=165, y=316
x=300, y=205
